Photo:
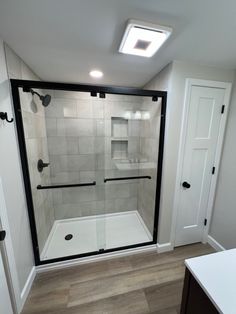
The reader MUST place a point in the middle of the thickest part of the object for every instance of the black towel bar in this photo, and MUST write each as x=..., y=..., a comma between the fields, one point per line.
x=46, y=187
x=127, y=178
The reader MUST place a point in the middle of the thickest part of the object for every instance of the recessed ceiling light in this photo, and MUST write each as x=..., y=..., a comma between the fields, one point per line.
x=143, y=39
x=96, y=73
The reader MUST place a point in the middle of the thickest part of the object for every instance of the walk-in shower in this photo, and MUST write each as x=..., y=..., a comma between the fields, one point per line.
x=92, y=160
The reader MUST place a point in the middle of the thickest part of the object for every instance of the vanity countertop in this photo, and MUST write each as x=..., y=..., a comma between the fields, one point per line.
x=216, y=274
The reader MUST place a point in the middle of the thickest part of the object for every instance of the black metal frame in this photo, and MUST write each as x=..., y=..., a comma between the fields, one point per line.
x=27, y=85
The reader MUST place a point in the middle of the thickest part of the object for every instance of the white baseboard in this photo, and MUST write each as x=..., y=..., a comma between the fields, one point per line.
x=25, y=291
x=165, y=247
x=216, y=245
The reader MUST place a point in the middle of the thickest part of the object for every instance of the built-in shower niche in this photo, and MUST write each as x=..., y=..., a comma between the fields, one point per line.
x=119, y=127
x=119, y=139
x=119, y=149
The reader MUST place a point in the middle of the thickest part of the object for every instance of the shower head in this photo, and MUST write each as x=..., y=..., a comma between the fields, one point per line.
x=45, y=99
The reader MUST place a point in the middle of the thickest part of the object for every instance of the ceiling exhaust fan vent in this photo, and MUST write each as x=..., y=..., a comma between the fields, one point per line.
x=143, y=39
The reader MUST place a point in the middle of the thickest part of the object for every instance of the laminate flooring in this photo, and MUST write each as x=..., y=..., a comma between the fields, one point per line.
x=139, y=284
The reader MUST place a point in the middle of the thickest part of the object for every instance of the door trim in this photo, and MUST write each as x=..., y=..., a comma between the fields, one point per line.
x=188, y=85
x=6, y=248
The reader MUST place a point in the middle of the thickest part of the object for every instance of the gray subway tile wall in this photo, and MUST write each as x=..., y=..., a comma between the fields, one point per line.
x=37, y=148
x=80, y=133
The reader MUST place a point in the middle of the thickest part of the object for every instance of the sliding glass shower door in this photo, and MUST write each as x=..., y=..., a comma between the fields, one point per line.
x=68, y=190
x=91, y=177
x=132, y=127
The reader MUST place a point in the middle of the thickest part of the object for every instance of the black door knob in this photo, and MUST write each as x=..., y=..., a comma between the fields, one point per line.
x=186, y=185
x=2, y=235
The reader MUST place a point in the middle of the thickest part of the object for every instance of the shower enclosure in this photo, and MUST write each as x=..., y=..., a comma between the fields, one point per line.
x=92, y=162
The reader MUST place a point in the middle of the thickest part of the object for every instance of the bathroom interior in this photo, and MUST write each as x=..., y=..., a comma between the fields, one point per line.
x=117, y=156
x=92, y=160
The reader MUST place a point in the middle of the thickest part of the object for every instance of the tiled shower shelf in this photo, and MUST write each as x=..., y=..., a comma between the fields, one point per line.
x=135, y=165
x=119, y=149
x=119, y=139
x=119, y=127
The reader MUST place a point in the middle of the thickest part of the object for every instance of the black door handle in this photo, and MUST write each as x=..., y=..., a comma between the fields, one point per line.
x=186, y=185
x=2, y=235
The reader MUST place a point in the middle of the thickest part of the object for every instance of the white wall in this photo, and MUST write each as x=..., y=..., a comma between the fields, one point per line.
x=12, y=181
x=223, y=225
x=178, y=72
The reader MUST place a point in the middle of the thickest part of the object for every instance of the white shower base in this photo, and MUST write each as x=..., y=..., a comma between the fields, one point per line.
x=95, y=232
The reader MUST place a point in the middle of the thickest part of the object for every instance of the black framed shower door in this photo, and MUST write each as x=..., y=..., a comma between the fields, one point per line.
x=94, y=91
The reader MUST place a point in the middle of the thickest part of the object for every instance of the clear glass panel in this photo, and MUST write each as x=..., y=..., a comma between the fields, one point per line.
x=69, y=135
x=132, y=127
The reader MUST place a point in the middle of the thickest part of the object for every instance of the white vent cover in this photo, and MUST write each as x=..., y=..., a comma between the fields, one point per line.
x=143, y=39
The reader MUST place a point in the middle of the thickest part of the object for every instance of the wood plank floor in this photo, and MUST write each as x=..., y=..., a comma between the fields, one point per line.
x=138, y=284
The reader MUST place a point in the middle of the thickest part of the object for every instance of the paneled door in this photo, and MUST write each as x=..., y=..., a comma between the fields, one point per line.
x=202, y=132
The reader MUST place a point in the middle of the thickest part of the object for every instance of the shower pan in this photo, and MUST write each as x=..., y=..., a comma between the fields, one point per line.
x=92, y=164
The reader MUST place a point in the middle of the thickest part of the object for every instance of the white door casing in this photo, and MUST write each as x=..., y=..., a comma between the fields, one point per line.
x=5, y=303
x=201, y=148
x=6, y=252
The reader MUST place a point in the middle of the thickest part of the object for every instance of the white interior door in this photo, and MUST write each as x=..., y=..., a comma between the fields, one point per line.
x=203, y=124
x=5, y=301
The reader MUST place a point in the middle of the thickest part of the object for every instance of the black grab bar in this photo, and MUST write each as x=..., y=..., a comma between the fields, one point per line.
x=126, y=178
x=40, y=187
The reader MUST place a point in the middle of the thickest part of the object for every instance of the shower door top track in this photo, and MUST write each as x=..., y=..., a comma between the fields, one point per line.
x=95, y=90
x=27, y=85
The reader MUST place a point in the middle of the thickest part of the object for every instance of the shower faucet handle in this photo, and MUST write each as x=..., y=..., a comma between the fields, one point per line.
x=41, y=165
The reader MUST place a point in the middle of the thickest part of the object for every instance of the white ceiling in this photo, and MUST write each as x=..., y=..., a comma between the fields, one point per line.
x=62, y=40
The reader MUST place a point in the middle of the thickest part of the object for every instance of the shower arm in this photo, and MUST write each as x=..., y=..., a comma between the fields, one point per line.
x=33, y=93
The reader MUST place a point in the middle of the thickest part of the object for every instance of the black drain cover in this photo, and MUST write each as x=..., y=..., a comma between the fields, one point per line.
x=68, y=237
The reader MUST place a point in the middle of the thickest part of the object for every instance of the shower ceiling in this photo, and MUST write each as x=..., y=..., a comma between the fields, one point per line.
x=63, y=40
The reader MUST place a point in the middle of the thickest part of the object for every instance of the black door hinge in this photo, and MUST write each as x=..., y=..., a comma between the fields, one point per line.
x=222, y=109
x=205, y=222
x=2, y=235
x=213, y=170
